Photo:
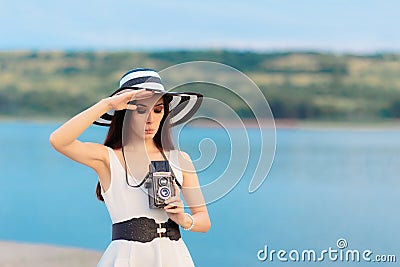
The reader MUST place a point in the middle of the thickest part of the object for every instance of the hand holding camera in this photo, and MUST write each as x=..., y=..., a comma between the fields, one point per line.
x=174, y=203
x=175, y=208
x=163, y=191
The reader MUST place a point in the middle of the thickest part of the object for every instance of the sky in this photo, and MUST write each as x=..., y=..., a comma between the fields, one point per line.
x=263, y=25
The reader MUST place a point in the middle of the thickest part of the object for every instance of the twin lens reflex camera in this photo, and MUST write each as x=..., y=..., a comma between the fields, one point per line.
x=159, y=184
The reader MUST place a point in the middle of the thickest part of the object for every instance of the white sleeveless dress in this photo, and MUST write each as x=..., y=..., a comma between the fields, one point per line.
x=123, y=203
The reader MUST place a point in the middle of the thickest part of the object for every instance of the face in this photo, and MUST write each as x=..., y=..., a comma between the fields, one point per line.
x=145, y=120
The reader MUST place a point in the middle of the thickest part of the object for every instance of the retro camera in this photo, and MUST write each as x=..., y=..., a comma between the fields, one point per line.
x=159, y=184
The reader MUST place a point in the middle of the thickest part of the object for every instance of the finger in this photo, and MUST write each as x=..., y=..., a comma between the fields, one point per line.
x=173, y=209
x=128, y=93
x=131, y=107
x=169, y=208
x=135, y=94
x=172, y=199
x=176, y=204
x=143, y=94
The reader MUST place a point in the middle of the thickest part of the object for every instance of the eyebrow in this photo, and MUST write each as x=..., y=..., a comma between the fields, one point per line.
x=142, y=105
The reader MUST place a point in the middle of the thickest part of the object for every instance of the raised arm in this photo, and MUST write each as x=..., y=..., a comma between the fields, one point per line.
x=94, y=155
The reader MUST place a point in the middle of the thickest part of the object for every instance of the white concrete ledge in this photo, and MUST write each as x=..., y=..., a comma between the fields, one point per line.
x=16, y=254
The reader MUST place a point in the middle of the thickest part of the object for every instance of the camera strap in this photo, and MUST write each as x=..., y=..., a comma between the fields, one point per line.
x=126, y=173
x=148, y=174
x=171, y=170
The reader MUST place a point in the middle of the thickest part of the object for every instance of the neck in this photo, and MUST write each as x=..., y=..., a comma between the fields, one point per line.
x=141, y=145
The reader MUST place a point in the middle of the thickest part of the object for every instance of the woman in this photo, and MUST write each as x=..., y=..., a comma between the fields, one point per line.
x=139, y=115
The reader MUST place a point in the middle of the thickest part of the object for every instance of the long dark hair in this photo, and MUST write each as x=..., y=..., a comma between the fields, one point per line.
x=162, y=138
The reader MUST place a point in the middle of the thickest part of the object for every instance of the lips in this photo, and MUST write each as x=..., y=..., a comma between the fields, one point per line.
x=149, y=131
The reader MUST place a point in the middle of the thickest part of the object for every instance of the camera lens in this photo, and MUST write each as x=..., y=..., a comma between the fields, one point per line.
x=164, y=192
x=163, y=181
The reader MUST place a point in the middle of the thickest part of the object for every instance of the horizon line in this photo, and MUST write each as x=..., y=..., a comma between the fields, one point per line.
x=208, y=49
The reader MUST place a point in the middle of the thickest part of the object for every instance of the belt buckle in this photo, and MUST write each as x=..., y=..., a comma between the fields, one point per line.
x=161, y=230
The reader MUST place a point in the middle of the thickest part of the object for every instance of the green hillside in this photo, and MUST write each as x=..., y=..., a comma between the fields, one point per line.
x=302, y=85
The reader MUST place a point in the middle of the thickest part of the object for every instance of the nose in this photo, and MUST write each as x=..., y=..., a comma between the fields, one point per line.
x=150, y=118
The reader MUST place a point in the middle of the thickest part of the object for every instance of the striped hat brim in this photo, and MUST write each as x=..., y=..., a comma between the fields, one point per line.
x=182, y=105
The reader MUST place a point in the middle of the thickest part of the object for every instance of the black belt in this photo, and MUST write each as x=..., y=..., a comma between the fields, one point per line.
x=144, y=229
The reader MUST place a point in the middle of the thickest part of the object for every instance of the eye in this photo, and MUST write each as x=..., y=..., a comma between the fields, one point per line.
x=158, y=109
x=141, y=110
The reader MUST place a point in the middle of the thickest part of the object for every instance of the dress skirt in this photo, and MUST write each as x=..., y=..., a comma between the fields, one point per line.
x=160, y=252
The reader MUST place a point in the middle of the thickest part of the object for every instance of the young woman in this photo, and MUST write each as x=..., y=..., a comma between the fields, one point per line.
x=139, y=115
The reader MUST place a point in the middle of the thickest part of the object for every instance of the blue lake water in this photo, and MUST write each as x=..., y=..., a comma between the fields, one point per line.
x=323, y=185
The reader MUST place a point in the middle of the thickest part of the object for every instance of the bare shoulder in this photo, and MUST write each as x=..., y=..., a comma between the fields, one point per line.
x=190, y=178
x=184, y=156
x=185, y=162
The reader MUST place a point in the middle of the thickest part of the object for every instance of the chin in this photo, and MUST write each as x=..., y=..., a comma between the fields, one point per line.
x=149, y=136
